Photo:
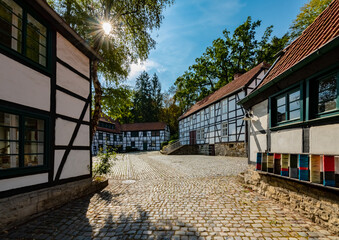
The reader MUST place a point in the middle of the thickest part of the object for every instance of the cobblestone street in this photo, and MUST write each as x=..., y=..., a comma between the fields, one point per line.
x=151, y=196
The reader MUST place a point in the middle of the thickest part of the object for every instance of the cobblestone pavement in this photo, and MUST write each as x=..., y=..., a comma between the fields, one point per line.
x=151, y=196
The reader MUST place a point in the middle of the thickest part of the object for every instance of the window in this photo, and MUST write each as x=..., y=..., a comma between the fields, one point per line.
x=155, y=133
x=212, y=111
x=224, y=129
x=327, y=93
x=134, y=134
x=288, y=106
x=132, y=144
x=224, y=106
x=115, y=137
x=120, y=137
x=22, y=141
x=144, y=133
x=101, y=136
x=107, y=125
x=200, y=134
x=108, y=137
x=22, y=32
x=153, y=144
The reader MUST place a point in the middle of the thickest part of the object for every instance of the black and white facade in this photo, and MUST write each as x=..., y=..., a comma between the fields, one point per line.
x=45, y=98
x=129, y=137
x=216, y=123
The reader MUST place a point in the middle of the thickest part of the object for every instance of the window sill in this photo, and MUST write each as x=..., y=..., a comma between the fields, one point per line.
x=19, y=172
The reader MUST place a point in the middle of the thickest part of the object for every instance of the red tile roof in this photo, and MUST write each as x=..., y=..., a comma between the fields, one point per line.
x=143, y=126
x=323, y=30
x=229, y=88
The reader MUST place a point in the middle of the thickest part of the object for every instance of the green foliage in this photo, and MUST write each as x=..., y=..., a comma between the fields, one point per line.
x=308, y=13
x=163, y=144
x=104, y=163
x=130, y=39
x=147, y=100
x=117, y=103
x=227, y=55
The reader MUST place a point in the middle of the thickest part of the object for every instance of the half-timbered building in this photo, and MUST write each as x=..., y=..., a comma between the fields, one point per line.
x=111, y=135
x=108, y=136
x=145, y=136
x=216, y=122
x=295, y=110
x=45, y=98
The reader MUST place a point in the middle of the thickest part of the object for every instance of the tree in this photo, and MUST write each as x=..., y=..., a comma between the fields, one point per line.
x=170, y=113
x=308, y=13
x=147, y=99
x=227, y=56
x=129, y=40
x=117, y=103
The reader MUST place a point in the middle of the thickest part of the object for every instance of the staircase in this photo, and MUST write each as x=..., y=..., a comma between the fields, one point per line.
x=173, y=146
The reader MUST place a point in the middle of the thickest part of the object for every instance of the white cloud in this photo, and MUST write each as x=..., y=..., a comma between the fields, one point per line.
x=148, y=65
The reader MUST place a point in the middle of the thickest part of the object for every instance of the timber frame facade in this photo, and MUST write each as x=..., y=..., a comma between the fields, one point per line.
x=111, y=134
x=45, y=99
x=216, y=123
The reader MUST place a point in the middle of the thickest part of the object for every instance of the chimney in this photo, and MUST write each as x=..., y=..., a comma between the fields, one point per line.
x=236, y=75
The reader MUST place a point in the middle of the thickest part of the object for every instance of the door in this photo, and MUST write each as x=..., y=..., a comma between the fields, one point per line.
x=145, y=146
x=212, y=150
x=193, y=137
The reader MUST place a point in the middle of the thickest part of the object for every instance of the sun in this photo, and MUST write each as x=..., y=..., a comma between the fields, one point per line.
x=107, y=27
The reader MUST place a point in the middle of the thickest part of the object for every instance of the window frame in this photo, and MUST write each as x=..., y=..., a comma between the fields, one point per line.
x=285, y=93
x=222, y=129
x=29, y=170
x=26, y=9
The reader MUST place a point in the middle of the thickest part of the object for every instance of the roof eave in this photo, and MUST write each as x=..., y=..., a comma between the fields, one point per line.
x=313, y=56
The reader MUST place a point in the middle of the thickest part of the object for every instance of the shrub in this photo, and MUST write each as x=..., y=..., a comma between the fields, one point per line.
x=164, y=144
x=104, y=163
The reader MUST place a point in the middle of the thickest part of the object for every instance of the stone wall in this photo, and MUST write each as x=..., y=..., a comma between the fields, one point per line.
x=315, y=202
x=186, y=150
x=20, y=208
x=231, y=149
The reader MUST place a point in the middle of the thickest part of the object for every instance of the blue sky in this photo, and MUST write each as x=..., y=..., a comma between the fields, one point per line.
x=190, y=26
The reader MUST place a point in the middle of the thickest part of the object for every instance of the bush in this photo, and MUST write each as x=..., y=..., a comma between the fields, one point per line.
x=163, y=144
x=104, y=163
x=171, y=141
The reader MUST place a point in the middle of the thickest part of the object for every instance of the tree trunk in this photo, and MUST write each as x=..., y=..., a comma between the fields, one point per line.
x=97, y=97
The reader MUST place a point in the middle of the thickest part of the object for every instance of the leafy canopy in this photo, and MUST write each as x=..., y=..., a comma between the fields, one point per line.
x=227, y=56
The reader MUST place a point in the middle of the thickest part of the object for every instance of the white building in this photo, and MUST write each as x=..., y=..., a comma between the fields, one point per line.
x=111, y=134
x=295, y=110
x=45, y=98
x=216, y=123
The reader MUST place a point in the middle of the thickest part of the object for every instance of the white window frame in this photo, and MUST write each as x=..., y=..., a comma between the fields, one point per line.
x=223, y=126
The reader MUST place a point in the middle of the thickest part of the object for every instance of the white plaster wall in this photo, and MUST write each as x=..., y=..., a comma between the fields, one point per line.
x=22, y=85
x=71, y=81
x=258, y=143
x=324, y=139
x=68, y=105
x=82, y=139
x=71, y=55
x=63, y=131
x=287, y=141
x=58, y=154
x=25, y=181
x=260, y=116
x=77, y=164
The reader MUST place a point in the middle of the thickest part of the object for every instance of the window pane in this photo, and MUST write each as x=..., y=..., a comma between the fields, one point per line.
x=10, y=120
x=32, y=135
x=294, y=105
x=281, y=101
x=7, y=147
x=295, y=114
x=7, y=133
x=9, y=161
x=294, y=96
x=36, y=40
x=35, y=124
x=34, y=160
x=10, y=24
x=327, y=94
x=31, y=147
x=281, y=113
